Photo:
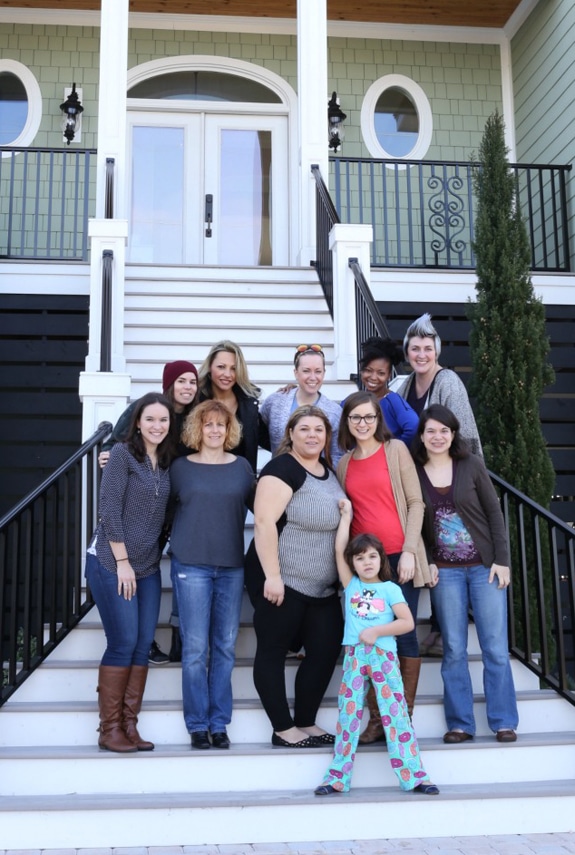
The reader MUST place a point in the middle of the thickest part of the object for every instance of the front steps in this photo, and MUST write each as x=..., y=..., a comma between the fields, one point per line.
x=57, y=789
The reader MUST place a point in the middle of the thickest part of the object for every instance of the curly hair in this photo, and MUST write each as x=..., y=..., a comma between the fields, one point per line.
x=361, y=543
x=345, y=438
x=166, y=450
x=195, y=421
x=380, y=348
x=307, y=410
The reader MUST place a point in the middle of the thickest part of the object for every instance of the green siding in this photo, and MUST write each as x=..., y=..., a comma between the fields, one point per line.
x=544, y=89
x=462, y=81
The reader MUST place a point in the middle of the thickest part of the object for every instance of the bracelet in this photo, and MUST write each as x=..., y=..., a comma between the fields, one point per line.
x=122, y=559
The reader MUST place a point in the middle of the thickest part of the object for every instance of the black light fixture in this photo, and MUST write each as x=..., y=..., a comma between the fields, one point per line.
x=335, y=120
x=71, y=108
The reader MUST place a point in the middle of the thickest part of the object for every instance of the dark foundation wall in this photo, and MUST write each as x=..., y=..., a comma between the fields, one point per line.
x=558, y=404
x=43, y=345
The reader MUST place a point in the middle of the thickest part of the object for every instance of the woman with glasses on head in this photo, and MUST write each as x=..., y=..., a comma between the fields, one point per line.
x=309, y=372
x=380, y=479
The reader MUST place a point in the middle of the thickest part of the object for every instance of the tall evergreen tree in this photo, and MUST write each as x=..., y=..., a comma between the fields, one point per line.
x=509, y=346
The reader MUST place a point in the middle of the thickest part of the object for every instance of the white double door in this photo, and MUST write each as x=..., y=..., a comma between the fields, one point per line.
x=208, y=188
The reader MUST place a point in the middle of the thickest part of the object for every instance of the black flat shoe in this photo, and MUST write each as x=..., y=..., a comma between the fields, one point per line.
x=220, y=740
x=426, y=788
x=279, y=742
x=325, y=790
x=324, y=739
x=200, y=739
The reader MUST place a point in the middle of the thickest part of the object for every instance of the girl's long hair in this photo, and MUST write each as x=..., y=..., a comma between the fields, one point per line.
x=361, y=543
x=458, y=449
x=167, y=448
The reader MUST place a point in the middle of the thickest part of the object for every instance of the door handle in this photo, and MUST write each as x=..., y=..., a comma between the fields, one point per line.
x=208, y=214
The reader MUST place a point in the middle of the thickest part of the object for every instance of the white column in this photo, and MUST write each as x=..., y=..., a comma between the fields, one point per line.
x=112, y=86
x=104, y=397
x=312, y=100
x=345, y=242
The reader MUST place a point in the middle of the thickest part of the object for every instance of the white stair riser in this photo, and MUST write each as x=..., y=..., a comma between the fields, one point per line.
x=76, y=683
x=333, y=819
x=199, y=772
x=75, y=724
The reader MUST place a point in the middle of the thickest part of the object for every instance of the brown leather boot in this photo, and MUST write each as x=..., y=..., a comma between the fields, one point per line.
x=112, y=682
x=410, y=666
x=374, y=731
x=132, y=706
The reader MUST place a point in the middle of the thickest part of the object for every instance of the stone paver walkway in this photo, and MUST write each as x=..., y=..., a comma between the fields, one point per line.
x=508, y=844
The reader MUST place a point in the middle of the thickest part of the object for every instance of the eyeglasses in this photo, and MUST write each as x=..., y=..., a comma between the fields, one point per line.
x=357, y=420
x=307, y=348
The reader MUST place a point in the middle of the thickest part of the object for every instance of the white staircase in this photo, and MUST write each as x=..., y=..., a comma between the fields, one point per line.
x=58, y=790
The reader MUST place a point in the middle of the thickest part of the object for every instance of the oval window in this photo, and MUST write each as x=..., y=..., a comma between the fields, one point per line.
x=20, y=105
x=396, y=120
x=13, y=107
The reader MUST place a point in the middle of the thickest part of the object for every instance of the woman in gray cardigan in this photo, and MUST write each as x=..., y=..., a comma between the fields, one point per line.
x=432, y=384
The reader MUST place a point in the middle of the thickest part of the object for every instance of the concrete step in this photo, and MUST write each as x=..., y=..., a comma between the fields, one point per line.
x=223, y=817
x=175, y=768
x=74, y=722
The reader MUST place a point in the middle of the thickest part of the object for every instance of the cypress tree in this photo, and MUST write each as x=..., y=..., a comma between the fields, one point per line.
x=509, y=346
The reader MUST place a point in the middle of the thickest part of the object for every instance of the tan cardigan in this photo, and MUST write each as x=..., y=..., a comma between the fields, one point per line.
x=408, y=500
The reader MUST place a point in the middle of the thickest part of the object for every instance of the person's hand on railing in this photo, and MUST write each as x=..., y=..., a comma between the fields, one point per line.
x=103, y=458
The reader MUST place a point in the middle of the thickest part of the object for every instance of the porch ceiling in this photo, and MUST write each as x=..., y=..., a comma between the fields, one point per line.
x=484, y=13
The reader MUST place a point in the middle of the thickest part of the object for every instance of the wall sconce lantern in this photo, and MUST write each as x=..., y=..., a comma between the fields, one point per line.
x=335, y=120
x=72, y=109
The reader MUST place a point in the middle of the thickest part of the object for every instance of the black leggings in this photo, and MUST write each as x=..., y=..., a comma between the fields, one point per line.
x=319, y=626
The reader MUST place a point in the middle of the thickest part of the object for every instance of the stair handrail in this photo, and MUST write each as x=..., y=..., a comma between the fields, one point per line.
x=42, y=597
x=542, y=590
x=326, y=217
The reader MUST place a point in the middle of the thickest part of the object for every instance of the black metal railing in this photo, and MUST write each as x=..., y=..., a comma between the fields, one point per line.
x=325, y=218
x=422, y=212
x=109, y=189
x=46, y=198
x=41, y=593
x=368, y=319
x=542, y=593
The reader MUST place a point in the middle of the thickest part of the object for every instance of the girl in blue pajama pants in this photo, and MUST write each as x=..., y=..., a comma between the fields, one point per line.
x=375, y=612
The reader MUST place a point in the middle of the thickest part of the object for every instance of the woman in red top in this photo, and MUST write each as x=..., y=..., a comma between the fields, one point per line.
x=381, y=481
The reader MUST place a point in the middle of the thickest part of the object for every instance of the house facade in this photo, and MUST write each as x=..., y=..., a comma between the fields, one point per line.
x=194, y=151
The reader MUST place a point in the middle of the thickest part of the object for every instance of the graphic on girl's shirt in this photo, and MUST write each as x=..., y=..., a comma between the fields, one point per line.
x=366, y=605
x=454, y=541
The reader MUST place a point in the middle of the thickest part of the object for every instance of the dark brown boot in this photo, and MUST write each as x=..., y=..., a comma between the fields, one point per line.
x=132, y=706
x=410, y=666
x=176, y=648
x=374, y=730
x=112, y=682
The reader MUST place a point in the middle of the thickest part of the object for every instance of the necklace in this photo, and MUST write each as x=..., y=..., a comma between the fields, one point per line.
x=156, y=476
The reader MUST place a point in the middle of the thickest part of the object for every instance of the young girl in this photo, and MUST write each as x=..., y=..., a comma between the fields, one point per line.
x=375, y=612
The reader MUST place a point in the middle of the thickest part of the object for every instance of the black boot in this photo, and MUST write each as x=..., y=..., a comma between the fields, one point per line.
x=176, y=648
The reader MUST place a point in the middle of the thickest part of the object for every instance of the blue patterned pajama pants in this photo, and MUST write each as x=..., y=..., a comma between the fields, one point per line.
x=363, y=664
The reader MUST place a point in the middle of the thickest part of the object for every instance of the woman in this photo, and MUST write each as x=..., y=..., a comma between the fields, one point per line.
x=212, y=490
x=432, y=384
x=379, y=477
x=380, y=357
x=292, y=578
x=180, y=386
x=123, y=567
x=465, y=533
x=309, y=372
x=224, y=377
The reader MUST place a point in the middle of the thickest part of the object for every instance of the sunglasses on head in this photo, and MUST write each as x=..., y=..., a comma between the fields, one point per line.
x=301, y=349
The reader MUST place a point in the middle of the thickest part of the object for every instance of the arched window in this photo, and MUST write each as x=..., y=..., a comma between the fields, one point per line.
x=204, y=86
x=20, y=104
x=396, y=119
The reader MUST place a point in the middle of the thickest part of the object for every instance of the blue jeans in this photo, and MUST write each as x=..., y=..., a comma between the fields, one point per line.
x=458, y=589
x=209, y=600
x=129, y=624
x=407, y=644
